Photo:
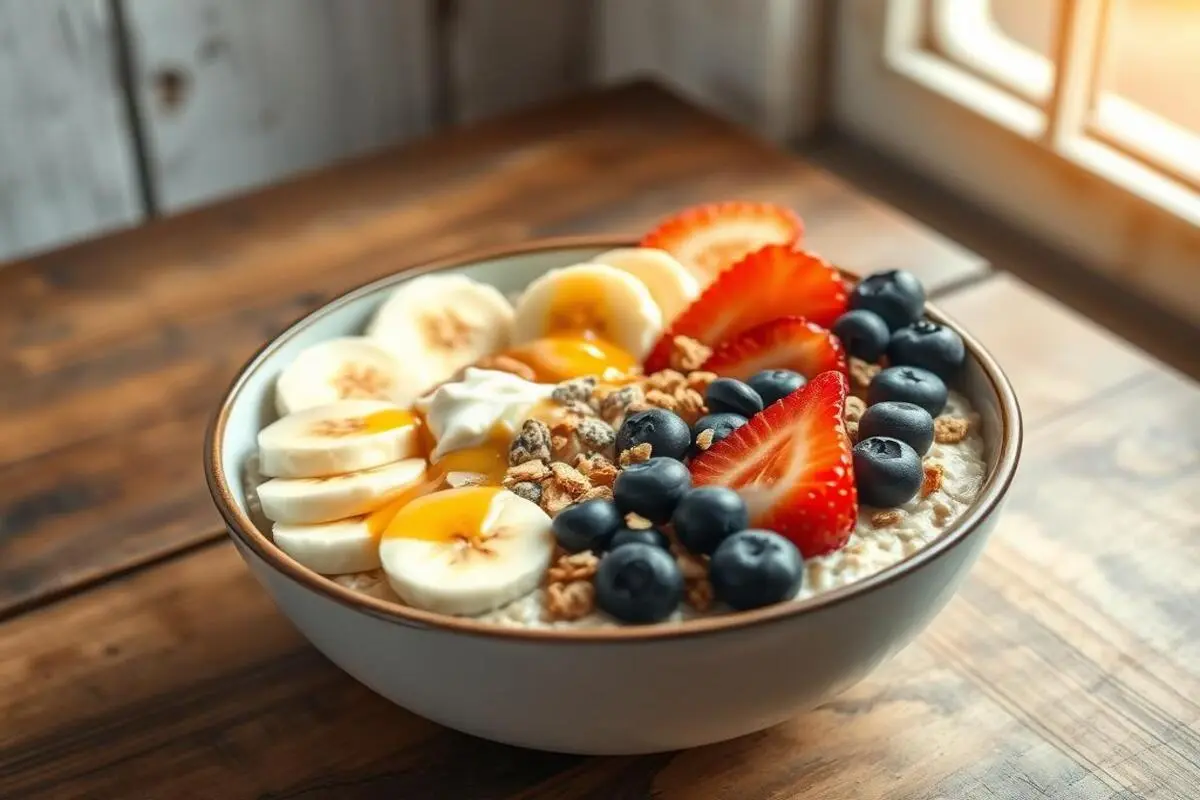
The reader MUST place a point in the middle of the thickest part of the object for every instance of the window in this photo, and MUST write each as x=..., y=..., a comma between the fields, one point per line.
x=1074, y=118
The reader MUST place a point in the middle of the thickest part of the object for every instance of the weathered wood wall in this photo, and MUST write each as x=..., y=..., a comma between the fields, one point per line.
x=115, y=111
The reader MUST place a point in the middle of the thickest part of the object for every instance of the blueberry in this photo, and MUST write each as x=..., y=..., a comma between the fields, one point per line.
x=755, y=568
x=775, y=384
x=907, y=422
x=863, y=333
x=639, y=583
x=587, y=526
x=652, y=489
x=666, y=433
x=930, y=346
x=707, y=515
x=896, y=295
x=651, y=536
x=720, y=424
x=731, y=396
x=887, y=472
x=909, y=385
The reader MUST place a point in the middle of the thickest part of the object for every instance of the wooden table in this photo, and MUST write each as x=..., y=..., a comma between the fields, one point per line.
x=138, y=658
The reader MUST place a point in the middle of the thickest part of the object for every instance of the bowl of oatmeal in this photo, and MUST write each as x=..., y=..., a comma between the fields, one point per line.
x=600, y=496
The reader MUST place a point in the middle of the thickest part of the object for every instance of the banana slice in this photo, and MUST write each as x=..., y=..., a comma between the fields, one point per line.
x=439, y=324
x=346, y=368
x=336, y=438
x=336, y=548
x=372, y=583
x=590, y=299
x=669, y=282
x=466, y=551
x=306, y=501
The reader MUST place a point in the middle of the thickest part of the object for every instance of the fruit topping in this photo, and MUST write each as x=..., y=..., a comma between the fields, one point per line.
x=927, y=345
x=909, y=385
x=589, y=525
x=773, y=385
x=651, y=536
x=863, y=333
x=652, y=489
x=670, y=283
x=754, y=568
x=887, y=471
x=732, y=396
x=345, y=368
x=666, y=433
x=786, y=342
x=907, y=422
x=709, y=239
x=775, y=281
x=791, y=464
x=718, y=425
x=707, y=515
x=896, y=295
x=639, y=584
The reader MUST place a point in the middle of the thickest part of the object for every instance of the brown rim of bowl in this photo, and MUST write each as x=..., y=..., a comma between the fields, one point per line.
x=243, y=530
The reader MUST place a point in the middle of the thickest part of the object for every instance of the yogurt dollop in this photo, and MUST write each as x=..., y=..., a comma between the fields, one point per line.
x=465, y=413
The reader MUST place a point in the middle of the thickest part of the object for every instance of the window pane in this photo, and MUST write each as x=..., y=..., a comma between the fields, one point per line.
x=1029, y=22
x=1010, y=42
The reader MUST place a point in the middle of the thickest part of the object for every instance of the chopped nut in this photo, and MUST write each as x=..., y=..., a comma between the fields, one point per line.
x=535, y=470
x=950, y=430
x=687, y=354
x=616, y=403
x=597, y=493
x=569, y=478
x=933, y=479
x=852, y=431
x=562, y=447
x=861, y=373
x=699, y=594
x=700, y=381
x=885, y=519
x=597, y=469
x=569, y=601
x=596, y=436
x=690, y=405
x=576, y=390
x=635, y=455
x=941, y=513
x=704, y=439
x=637, y=523
x=533, y=442
x=855, y=406
x=574, y=567
x=528, y=490
x=504, y=363
x=667, y=380
x=555, y=497
x=660, y=399
x=578, y=410
x=692, y=567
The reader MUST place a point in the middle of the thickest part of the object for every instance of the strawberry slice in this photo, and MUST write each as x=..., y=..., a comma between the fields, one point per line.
x=709, y=239
x=785, y=343
x=774, y=281
x=792, y=465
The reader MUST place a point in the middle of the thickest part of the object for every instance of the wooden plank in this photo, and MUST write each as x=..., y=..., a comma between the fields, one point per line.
x=504, y=56
x=66, y=158
x=759, y=62
x=237, y=94
x=1066, y=667
x=121, y=347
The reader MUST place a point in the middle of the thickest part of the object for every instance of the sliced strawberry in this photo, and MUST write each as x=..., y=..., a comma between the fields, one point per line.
x=774, y=281
x=711, y=238
x=792, y=465
x=785, y=343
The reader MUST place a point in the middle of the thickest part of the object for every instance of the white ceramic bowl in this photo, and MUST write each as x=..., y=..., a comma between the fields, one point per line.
x=612, y=691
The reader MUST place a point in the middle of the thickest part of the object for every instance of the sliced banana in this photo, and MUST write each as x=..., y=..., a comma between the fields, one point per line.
x=669, y=282
x=466, y=551
x=346, y=368
x=372, y=583
x=336, y=548
x=590, y=299
x=336, y=438
x=306, y=501
x=438, y=324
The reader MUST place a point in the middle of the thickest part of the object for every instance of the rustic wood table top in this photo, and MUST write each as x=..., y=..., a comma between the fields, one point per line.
x=139, y=659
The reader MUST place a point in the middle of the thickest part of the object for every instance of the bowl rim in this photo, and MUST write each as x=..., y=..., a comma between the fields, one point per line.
x=245, y=533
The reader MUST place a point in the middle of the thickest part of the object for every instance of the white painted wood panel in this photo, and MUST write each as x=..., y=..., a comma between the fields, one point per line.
x=66, y=160
x=239, y=93
x=756, y=61
x=511, y=53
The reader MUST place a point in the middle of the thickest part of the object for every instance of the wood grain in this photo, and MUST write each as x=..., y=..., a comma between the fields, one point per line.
x=120, y=348
x=1065, y=668
x=66, y=159
x=235, y=95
